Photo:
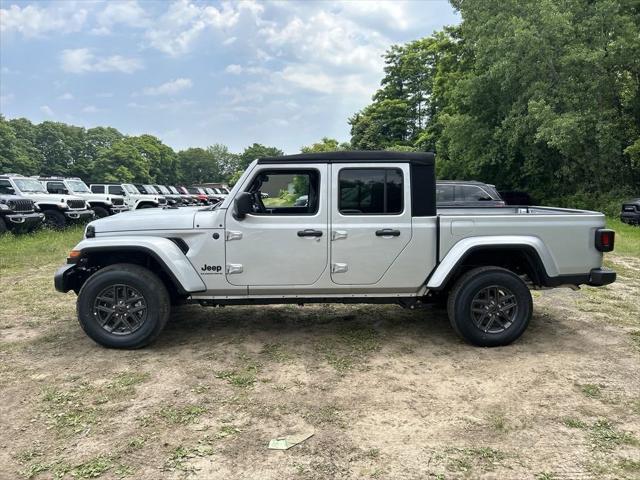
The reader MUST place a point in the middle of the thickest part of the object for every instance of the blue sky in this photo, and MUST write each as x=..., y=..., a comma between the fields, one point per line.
x=194, y=73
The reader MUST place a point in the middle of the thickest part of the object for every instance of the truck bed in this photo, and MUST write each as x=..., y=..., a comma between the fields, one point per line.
x=564, y=237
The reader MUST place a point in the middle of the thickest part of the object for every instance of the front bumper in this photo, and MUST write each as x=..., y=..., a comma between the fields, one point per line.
x=630, y=218
x=118, y=209
x=601, y=276
x=79, y=215
x=24, y=221
x=65, y=278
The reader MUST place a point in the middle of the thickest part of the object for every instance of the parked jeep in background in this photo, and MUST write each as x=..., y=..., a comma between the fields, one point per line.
x=151, y=190
x=133, y=199
x=631, y=212
x=458, y=193
x=102, y=205
x=186, y=197
x=59, y=209
x=369, y=232
x=172, y=198
x=18, y=214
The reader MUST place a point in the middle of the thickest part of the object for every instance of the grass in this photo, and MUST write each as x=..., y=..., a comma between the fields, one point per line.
x=183, y=415
x=627, y=237
x=43, y=247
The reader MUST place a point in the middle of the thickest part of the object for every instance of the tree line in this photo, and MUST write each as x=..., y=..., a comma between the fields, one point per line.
x=537, y=96
x=540, y=96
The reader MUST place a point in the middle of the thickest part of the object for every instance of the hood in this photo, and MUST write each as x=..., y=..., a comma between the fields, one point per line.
x=147, y=219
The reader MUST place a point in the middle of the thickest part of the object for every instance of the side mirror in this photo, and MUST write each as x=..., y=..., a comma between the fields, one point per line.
x=242, y=205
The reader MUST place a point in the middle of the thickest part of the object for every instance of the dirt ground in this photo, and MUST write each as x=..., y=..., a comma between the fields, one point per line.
x=388, y=393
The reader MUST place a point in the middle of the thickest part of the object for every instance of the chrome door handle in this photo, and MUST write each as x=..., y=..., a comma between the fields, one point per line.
x=387, y=232
x=310, y=233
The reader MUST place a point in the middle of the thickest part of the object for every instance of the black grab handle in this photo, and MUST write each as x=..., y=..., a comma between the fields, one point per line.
x=310, y=233
x=387, y=232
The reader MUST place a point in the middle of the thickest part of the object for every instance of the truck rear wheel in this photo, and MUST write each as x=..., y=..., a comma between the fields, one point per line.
x=490, y=306
x=123, y=306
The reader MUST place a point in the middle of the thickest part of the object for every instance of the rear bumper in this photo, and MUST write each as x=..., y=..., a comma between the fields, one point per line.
x=597, y=277
x=601, y=276
x=79, y=214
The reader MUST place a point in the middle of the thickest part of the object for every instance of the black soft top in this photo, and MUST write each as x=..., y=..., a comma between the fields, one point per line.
x=357, y=156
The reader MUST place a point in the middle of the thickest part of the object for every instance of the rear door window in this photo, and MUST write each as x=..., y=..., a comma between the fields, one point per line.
x=370, y=191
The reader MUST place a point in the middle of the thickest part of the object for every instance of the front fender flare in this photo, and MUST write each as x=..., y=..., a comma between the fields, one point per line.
x=168, y=255
x=464, y=247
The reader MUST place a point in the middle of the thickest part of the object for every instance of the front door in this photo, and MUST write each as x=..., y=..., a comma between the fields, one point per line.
x=285, y=240
x=370, y=220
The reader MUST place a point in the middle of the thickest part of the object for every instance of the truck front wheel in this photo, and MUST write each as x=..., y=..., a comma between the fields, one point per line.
x=490, y=306
x=100, y=212
x=123, y=306
x=55, y=219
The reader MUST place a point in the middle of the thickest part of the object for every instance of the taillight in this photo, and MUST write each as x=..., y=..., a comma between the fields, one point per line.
x=605, y=239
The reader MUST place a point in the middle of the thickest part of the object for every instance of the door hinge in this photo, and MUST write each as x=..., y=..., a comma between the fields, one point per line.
x=338, y=234
x=231, y=235
x=339, y=268
x=234, y=268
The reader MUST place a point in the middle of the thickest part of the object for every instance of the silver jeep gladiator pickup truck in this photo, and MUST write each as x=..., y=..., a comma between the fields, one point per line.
x=367, y=232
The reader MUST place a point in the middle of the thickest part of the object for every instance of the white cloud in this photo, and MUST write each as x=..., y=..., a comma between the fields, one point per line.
x=82, y=60
x=230, y=40
x=233, y=69
x=34, y=21
x=128, y=13
x=169, y=88
x=47, y=110
x=66, y=96
x=312, y=78
x=91, y=109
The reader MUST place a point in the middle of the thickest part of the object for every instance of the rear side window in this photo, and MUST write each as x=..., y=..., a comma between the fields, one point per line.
x=97, y=189
x=115, y=190
x=471, y=193
x=370, y=191
x=444, y=193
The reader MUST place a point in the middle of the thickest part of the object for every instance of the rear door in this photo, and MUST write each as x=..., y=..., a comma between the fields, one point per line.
x=370, y=220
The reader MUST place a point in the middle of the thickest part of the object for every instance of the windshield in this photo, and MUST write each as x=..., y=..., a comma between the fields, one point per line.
x=150, y=189
x=210, y=191
x=29, y=185
x=224, y=190
x=193, y=190
x=131, y=189
x=78, y=186
x=163, y=189
x=174, y=189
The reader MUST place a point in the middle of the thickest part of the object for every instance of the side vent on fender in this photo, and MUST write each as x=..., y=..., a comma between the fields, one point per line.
x=181, y=244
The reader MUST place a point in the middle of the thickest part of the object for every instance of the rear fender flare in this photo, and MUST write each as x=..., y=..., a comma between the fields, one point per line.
x=466, y=246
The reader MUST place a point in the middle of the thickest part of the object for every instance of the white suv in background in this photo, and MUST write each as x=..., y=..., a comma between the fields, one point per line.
x=103, y=205
x=132, y=197
x=59, y=209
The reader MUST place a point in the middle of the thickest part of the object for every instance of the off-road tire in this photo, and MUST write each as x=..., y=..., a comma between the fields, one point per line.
x=3, y=226
x=146, y=283
x=55, y=219
x=145, y=205
x=100, y=212
x=471, y=284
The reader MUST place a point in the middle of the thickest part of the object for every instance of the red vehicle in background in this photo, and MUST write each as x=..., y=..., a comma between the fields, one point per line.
x=198, y=197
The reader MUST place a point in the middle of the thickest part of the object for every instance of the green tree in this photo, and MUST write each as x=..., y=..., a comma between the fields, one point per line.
x=254, y=151
x=326, y=144
x=160, y=158
x=197, y=165
x=121, y=163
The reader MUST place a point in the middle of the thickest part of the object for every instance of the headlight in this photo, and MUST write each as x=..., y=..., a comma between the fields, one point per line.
x=4, y=206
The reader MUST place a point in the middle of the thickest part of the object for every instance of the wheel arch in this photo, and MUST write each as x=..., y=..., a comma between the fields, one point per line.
x=521, y=257
x=160, y=255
